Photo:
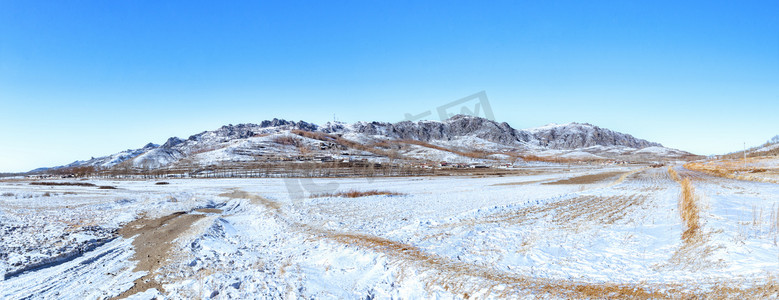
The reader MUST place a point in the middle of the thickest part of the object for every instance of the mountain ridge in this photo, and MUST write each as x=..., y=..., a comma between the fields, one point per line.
x=435, y=140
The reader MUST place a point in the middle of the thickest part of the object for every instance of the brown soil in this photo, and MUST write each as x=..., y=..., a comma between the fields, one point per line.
x=587, y=179
x=209, y=210
x=152, y=242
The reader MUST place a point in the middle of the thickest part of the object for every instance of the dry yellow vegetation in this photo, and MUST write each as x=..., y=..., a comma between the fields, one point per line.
x=688, y=204
x=688, y=208
x=735, y=169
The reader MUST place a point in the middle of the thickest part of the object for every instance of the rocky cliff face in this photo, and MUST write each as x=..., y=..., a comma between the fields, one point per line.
x=457, y=126
x=567, y=136
x=582, y=135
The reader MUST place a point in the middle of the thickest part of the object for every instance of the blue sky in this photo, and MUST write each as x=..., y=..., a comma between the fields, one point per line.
x=90, y=78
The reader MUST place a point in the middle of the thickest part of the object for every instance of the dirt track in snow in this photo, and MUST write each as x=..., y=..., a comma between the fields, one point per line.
x=152, y=242
x=600, y=205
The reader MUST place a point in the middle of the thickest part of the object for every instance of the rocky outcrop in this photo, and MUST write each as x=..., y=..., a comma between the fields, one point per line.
x=454, y=127
x=302, y=125
x=582, y=135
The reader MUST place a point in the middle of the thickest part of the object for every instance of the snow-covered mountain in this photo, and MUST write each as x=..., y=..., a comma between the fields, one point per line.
x=578, y=135
x=454, y=128
x=460, y=139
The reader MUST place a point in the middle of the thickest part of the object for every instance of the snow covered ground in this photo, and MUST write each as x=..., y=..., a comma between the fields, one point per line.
x=592, y=232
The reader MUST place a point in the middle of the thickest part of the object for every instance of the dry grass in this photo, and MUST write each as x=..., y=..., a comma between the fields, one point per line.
x=573, y=214
x=472, y=280
x=688, y=205
x=753, y=152
x=586, y=179
x=688, y=209
x=757, y=216
x=286, y=140
x=674, y=175
x=471, y=154
x=357, y=194
x=161, y=183
x=733, y=169
x=626, y=175
x=8, y=194
x=346, y=143
x=774, y=218
x=767, y=289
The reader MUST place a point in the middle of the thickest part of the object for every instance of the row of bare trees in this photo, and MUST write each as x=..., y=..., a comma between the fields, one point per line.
x=252, y=170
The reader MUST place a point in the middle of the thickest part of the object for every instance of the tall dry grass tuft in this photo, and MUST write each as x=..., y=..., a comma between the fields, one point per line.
x=688, y=208
x=774, y=218
x=674, y=175
x=757, y=216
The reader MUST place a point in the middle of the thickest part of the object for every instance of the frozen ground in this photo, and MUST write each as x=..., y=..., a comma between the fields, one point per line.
x=587, y=233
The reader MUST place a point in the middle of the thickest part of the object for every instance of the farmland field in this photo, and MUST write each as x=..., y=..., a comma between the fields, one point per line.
x=584, y=232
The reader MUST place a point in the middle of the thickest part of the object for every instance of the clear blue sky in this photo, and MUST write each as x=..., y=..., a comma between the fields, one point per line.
x=90, y=78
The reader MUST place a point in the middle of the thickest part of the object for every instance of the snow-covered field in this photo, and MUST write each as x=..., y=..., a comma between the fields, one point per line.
x=592, y=232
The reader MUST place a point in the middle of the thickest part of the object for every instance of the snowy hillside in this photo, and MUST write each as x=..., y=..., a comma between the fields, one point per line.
x=460, y=139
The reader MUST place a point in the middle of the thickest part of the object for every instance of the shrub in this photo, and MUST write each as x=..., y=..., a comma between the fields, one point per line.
x=162, y=183
x=286, y=140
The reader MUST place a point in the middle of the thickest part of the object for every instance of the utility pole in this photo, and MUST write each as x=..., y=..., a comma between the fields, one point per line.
x=745, y=155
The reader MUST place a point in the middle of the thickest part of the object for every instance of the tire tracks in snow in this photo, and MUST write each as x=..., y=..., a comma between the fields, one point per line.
x=153, y=240
x=99, y=273
x=457, y=277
